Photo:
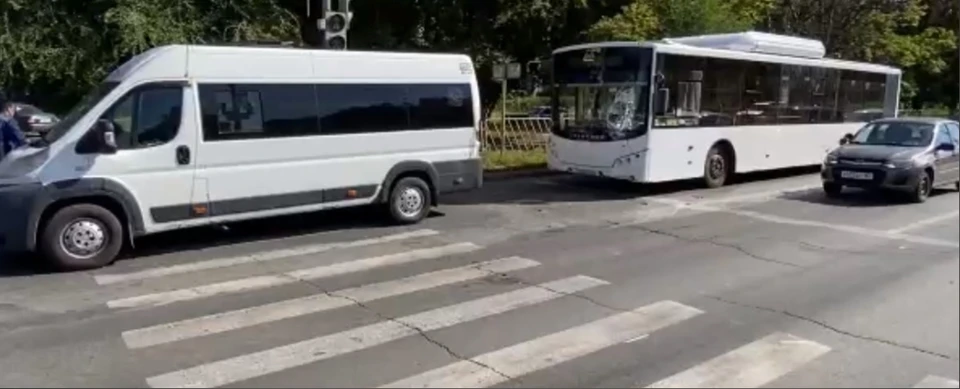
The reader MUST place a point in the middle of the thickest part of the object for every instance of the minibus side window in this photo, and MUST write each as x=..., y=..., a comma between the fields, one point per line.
x=146, y=117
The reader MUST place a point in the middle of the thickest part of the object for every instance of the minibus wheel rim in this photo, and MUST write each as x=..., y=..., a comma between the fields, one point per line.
x=83, y=238
x=410, y=202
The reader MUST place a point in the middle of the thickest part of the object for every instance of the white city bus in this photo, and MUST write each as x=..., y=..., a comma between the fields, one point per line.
x=707, y=106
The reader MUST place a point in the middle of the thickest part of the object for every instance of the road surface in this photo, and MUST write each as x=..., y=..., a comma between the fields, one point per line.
x=532, y=282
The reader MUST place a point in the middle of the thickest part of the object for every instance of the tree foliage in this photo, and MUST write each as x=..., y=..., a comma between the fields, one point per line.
x=53, y=50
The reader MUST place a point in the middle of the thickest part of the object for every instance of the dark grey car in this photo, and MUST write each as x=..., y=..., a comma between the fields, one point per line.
x=910, y=155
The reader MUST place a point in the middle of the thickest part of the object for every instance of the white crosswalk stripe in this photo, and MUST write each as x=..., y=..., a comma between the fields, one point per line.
x=494, y=368
x=932, y=381
x=232, y=320
x=106, y=279
x=750, y=366
x=260, y=282
x=298, y=354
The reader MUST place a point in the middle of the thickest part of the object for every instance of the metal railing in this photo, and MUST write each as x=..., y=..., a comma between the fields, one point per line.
x=515, y=134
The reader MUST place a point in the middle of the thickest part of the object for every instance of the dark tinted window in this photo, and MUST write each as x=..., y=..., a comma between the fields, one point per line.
x=601, y=65
x=348, y=109
x=708, y=92
x=441, y=106
x=147, y=116
x=239, y=111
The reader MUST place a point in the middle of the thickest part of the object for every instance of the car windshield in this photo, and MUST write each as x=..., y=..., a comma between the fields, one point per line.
x=86, y=103
x=904, y=134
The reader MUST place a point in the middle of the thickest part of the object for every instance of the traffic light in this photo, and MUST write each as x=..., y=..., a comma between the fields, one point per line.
x=336, y=23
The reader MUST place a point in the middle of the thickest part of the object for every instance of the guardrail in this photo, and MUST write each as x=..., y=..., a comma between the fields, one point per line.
x=515, y=134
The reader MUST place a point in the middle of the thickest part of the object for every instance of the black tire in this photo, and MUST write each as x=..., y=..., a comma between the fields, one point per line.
x=832, y=189
x=54, y=251
x=404, y=199
x=922, y=191
x=716, y=168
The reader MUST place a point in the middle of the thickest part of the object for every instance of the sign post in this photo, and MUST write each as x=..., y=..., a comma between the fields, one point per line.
x=503, y=72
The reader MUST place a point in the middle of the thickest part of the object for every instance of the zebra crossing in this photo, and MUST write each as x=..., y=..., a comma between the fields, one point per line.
x=754, y=364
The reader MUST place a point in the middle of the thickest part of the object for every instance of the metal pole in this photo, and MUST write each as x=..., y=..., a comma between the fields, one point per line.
x=503, y=107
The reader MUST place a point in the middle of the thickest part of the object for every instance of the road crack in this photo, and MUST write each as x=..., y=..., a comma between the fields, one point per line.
x=834, y=329
x=714, y=242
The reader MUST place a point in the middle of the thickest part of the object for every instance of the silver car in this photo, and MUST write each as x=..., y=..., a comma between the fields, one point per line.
x=909, y=155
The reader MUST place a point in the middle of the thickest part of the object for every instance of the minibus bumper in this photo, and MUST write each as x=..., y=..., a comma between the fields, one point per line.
x=16, y=204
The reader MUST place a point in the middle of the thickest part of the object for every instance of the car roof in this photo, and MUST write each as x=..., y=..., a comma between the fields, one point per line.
x=910, y=119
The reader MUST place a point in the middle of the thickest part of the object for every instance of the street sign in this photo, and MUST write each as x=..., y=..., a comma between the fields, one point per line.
x=498, y=72
x=513, y=71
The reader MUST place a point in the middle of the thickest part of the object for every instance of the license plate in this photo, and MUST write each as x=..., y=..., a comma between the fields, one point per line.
x=856, y=175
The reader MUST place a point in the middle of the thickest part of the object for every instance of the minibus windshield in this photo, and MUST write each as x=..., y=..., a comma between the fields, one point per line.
x=79, y=110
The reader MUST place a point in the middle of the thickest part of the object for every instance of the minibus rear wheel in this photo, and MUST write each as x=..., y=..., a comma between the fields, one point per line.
x=80, y=237
x=410, y=200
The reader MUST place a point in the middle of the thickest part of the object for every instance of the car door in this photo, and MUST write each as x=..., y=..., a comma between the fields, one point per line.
x=953, y=161
x=155, y=135
x=948, y=161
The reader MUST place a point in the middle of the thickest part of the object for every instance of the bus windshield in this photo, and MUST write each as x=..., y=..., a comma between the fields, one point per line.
x=601, y=94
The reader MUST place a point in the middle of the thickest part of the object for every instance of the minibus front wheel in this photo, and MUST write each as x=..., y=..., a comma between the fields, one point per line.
x=80, y=237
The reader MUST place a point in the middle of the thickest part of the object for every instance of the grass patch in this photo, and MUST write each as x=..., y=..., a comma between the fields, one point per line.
x=494, y=160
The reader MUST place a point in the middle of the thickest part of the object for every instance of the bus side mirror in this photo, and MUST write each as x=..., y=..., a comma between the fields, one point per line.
x=661, y=102
x=846, y=139
x=106, y=136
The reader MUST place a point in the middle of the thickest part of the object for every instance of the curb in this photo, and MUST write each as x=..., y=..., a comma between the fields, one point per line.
x=504, y=175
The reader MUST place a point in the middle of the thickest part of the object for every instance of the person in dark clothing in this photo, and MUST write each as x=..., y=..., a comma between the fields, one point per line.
x=11, y=137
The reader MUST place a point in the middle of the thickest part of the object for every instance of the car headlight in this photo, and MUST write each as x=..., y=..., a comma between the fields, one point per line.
x=899, y=164
x=830, y=160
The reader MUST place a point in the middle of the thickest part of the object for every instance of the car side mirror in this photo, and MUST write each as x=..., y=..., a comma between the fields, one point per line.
x=662, y=102
x=846, y=139
x=106, y=136
x=946, y=147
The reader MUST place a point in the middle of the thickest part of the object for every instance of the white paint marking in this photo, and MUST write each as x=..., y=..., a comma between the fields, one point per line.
x=243, y=318
x=926, y=222
x=750, y=366
x=106, y=279
x=260, y=282
x=758, y=196
x=551, y=350
x=835, y=227
x=932, y=381
x=637, y=339
x=274, y=360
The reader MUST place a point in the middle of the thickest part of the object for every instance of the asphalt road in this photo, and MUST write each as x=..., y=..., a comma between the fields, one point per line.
x=533, y=282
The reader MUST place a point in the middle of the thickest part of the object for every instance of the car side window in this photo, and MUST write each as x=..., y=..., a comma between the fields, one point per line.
x=147, y=116
x=943, y=136
x=954, y=130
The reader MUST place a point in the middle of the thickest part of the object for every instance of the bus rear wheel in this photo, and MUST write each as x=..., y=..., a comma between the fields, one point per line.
x=716, y=169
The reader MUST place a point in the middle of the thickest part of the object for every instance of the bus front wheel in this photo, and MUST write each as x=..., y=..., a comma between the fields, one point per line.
x=716, y=169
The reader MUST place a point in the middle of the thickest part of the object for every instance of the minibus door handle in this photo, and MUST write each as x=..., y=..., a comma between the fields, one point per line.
x=183, y=155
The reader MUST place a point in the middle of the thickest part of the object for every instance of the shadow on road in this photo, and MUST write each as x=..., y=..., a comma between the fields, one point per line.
x=545, y=190
x=854, y=198
x=571, y=188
